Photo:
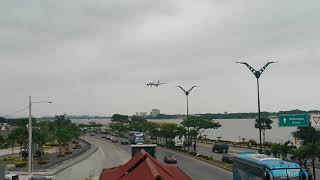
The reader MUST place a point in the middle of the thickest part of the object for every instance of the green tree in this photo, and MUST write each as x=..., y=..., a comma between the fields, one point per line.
x=170, y=131
x=41, y=135
x=120, y=118
x=11, y=139
x=62, y=132
x=313, y=152
x=307, y=135
x=2, y=142
x=21, y=135
x=265, y=125
x=120, y=128
x=138, y=119
x=138, y=126
x=275, y=150
x=284, y=150
x=197, y=125
x=3, y=120
x=152, y=129
x=299, y=155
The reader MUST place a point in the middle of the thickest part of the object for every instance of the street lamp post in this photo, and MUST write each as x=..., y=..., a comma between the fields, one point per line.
x=187, y=95
x=257, y=74
x=30, y=135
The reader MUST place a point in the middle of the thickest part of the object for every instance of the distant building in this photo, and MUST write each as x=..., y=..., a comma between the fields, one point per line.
x=155, y=112
x=142, y=114
x=5, y=126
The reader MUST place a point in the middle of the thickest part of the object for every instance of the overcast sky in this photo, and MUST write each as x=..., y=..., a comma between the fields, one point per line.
x=95, y=57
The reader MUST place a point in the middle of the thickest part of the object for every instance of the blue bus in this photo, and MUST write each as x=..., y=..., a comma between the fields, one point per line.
x=253, y=166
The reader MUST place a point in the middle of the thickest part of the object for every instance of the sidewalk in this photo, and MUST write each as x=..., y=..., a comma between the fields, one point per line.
x=4, y=152
x=53, y=171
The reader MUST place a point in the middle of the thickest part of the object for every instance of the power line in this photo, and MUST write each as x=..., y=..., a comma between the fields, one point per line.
x=16, y=112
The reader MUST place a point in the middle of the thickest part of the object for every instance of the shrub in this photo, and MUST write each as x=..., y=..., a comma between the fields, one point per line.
x=253, y=142
x=193, y=153
x=43, y=161
x=20, y=164
x=10, y=158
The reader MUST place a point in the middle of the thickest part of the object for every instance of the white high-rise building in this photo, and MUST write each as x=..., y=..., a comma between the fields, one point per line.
x=155, y=112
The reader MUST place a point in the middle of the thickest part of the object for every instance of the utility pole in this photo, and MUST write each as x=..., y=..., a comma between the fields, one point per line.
x=187, y=95
x=30, y=139
x=30, y=155
x=257, y=74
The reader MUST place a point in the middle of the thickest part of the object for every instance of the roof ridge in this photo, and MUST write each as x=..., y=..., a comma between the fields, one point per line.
x=161, y=166
x=155, y=173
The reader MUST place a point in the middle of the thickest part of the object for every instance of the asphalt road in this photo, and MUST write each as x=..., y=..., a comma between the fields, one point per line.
x=192, y=167
x=206, y=149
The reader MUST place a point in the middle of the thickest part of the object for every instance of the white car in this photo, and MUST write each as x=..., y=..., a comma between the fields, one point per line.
x=11, y=177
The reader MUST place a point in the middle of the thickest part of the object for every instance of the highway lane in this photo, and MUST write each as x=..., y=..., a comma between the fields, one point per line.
x=206, y=149
x=192, y=167
x=107, y=156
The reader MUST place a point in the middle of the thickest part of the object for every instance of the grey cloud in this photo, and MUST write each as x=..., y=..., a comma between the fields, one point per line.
x=97, y=51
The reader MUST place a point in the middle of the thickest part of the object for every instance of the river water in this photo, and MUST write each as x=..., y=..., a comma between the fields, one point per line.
x=231, y=129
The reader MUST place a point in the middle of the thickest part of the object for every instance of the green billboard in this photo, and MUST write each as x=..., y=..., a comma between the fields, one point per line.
x=294, y=120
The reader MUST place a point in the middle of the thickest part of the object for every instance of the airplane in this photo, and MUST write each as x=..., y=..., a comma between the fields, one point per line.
x=157, y=84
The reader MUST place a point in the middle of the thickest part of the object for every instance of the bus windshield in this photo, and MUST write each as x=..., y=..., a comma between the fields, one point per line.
x=290, y=174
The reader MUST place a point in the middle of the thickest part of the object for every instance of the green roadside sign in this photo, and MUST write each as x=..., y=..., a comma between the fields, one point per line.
x=294, y=120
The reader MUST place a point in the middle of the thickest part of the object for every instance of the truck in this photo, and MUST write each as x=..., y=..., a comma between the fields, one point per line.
x=136, y=137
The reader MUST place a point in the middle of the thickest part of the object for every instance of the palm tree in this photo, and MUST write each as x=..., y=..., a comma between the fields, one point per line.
x=299, y=155
x=284, y=150
x=313, y=151
x=275, y=150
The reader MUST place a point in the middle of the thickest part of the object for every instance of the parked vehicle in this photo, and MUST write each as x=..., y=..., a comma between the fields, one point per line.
x=124, y=142
x=11, y=177
x=220, y=148
x=228, y=158
x=170, y=159
x=114, y=140
x=104, y=136
x=92, y=134
x=108, y=137
x=179, y=141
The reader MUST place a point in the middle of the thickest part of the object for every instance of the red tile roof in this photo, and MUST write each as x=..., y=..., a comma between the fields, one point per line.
x=143, y=166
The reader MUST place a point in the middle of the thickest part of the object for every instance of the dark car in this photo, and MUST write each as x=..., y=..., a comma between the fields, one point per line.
x=92, y=134
x=228, y=158
x=170, y=159
x=220, y=148
x=114, y=140
x=104, y=136
x=124, y=142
